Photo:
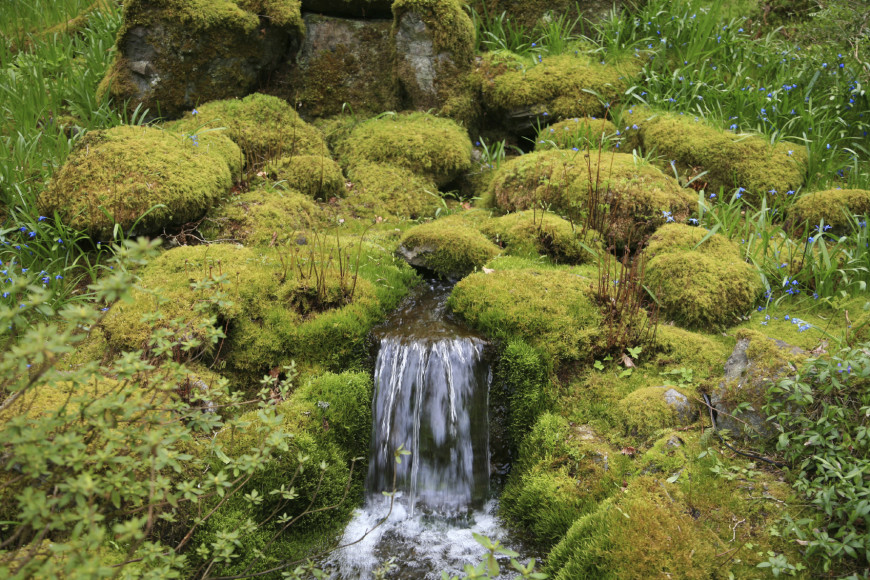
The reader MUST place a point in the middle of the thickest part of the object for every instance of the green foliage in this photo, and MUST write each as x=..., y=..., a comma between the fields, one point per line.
x=822, y=417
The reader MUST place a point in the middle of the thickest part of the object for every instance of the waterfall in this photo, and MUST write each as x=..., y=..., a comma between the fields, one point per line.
x=432, y=379
x=431, y=397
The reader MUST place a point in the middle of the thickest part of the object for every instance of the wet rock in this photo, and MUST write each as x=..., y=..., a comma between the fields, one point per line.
x=344, y=62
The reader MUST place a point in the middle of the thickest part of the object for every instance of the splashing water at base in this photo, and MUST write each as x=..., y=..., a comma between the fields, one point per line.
x=432, y=380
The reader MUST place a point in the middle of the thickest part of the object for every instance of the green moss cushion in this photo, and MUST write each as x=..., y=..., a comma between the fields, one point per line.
x=429, y=146
x=731, y=160
x=580, y=132
x=314, y=175
x=708, y=287
x=532, y=233
x=550, y=309
x=831, y=205
x=263, y=126
x=449, y=247
x=116, y=176
x=640, y=196
x=381, y=190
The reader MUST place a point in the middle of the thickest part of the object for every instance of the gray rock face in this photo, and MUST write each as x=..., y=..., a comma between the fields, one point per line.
x=417, y=59
x=748, y=381
x=344, y=61
x=681, y=406
x=349, y=8
x=416, y=256
x=169, y=65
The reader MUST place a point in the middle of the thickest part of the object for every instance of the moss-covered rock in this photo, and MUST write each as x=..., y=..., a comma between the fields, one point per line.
x=754, y=366
x=831, y=205
x=523, y=374
x=680, y=348
x=447, y=246
x=434, y=42
x=117, y=175
x=651, y=409
x=314, y=175
x=343, y=64
x=380, y=190
x=551, y=309
x=349, y=8
x=263, y=217
x=705, y=287
x=558, y=87
x=731, y=160
x=263, y=126
x=273, y=308
x=429, y=146
x=530, y=233
x=639, y=196
x=173, y=55
x=579, y=133
x=562, y=473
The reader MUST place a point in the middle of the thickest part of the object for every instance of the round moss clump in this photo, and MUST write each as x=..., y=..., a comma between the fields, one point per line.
x=448, y=246
x=314, y=175
x=118, y=175
x=579, y=133
x=262, y=217
x=424, y=144
x=550, y=309
x=731, y=160
x=385, y=191
x=708, y=287
x=650, y=409
x=640, y=197
x=831, y=205
x=265, y=127
x=533, y=233
x=559, y=87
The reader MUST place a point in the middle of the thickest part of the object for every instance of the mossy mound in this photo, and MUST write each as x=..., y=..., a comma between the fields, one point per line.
x=563, y=473
x=532, y=233
x=579, y=133
x=273, y=307
x=429, y=146
x=434, y=42
x=448, y=246
x=708, y=287
x=349, y=8
x=557, y=87
x=263, y=126
x=314, y=175
x=731, y=160
x=263, y=217
x=523, y=374
x=389, y=191
x=126, y=171
x=550, y=309
x=328, y=420
x=831, y=205
x=651, y=409
x=640, y=197
x=680, y=348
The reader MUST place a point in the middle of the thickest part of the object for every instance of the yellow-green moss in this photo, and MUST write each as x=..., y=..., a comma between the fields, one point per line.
x=560, y=86
x=703, y=354
x=429, y=146
x=831, y=205
x=549, y=309
x=263, y=217
x=645, y=411
x=389, y=191
x=263, y=126
x=314, y=175
x=126, y=171
x=580, y=132
x=731, y=160
x=272, y=314
x=447, y=246
x=523, y=373
x=563, y=180
x=530, y=233
x=708, y=287
x=561, y=473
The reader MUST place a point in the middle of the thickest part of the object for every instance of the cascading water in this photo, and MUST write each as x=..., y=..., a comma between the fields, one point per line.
x=432, y=380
